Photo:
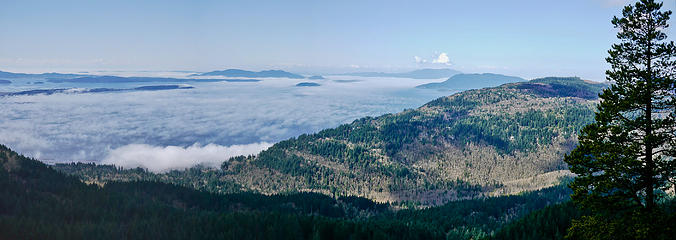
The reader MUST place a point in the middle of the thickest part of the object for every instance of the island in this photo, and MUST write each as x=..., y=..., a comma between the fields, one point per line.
x=308, y=84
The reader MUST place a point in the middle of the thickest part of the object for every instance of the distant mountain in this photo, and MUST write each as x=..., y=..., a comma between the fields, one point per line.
x=2, y=81
x=348, y=81
x=159, y=88
x=316, y=77
x=38, y=76
x=115, y=79
x=472, y=81
x=94, y=90
x=308, y=84
x=417, y=74
x=251, y=74
x=489, y=141
x=241, y=80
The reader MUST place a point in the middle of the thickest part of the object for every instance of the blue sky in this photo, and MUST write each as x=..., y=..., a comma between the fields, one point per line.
x=528, y=38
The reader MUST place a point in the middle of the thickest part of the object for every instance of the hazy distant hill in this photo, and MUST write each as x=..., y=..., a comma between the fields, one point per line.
x=416, y=74
x=93, y=90
x=472, y=81
x=251, y=74
x=115, y=79
x=38, y=76
x=497, y=140
x=308, y=84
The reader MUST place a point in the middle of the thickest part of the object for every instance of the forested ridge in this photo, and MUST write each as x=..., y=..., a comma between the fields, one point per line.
x=40, y=203
x=482, y=142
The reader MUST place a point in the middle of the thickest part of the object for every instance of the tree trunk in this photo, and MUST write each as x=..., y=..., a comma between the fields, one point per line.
x=650, y=165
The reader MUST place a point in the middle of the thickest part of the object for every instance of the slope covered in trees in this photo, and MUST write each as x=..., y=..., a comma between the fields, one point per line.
x=479, y=142
x=40, y=203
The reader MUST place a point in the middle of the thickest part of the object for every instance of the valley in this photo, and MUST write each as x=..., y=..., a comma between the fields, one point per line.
x=486, y=142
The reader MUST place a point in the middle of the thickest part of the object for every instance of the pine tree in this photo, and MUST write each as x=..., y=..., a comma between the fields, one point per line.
x=625, y=160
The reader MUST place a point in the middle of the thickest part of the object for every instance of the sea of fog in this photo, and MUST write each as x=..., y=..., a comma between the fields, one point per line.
x=175, y=129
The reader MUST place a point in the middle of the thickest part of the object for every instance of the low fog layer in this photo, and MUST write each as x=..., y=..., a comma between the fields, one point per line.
x=107, y=127
x=163, y=159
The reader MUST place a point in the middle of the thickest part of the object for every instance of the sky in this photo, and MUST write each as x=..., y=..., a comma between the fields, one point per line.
x=526, y=38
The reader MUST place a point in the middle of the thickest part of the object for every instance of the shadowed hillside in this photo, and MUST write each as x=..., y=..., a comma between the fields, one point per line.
x=40, y=203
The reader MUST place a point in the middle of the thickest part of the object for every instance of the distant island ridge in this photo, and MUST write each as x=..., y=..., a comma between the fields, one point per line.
x=472, y=81
x=12, y=75
x=455, y=79
x=61, y=77
x=116, y=79
x=94, y=90
x=308, y=84
x=251, y=74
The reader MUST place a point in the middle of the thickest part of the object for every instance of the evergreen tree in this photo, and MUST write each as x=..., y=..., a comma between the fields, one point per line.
x=625, y=160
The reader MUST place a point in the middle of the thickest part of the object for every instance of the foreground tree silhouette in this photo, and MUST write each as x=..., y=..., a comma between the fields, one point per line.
x=625, y=160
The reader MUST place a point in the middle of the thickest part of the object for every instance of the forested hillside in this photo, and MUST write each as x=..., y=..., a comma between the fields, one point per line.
x=40, y=203
x=480, y=142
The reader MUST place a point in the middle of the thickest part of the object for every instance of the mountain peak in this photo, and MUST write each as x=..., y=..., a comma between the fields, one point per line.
x=466, y=81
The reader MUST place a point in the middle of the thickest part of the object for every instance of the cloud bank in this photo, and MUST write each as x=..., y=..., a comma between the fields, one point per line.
x=163, y=159
x=441, y=58
x=89, y=127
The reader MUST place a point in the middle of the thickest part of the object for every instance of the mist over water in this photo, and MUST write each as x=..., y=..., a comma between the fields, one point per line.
x=125, y=128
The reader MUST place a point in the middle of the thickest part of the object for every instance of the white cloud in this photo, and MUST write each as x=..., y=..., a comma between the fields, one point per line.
x=419, y=59
x=163, y=159
x=442, y=58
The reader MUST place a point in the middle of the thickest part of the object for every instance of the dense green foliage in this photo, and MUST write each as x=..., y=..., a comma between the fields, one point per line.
x=40, y=203
x=478, y=218
x=552, y=222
